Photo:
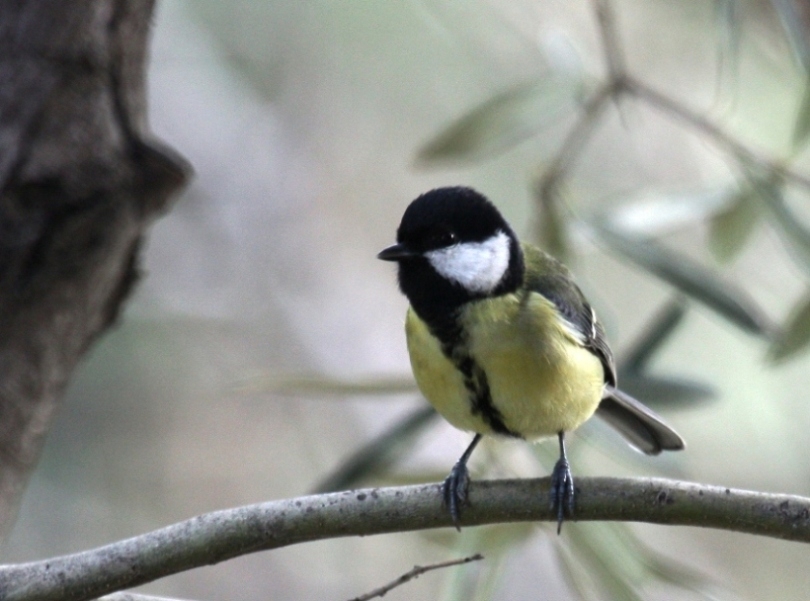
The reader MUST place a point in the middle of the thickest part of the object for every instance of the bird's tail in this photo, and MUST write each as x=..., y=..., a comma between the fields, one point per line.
x=642, y=427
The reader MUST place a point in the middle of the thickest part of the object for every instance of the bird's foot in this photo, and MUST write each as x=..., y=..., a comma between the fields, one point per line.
x=454, y=491
x=562, y=491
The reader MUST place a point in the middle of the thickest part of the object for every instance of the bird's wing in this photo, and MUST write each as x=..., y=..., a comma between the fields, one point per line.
x=550, y=278
x=640, y=426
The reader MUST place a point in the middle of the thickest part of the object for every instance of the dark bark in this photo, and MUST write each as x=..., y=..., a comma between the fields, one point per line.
x=80, y=183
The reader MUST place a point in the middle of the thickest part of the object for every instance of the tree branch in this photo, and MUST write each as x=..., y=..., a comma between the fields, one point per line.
x=709, y=129
x=221, y=535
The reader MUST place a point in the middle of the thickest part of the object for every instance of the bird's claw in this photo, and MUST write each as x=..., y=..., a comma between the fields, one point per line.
x=562, y=491
x=454, y=491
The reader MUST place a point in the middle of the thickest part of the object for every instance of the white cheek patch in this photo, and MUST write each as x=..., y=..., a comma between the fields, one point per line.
x=477, y=266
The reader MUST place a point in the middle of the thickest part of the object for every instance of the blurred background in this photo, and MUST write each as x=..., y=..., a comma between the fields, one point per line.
x=264, y=349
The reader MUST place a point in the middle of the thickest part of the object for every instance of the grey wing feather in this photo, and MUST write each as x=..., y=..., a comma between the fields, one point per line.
x=556, y=283
x=599, y=346
x=641, y=426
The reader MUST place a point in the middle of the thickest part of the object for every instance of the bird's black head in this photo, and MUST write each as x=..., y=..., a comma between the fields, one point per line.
x=454, y=246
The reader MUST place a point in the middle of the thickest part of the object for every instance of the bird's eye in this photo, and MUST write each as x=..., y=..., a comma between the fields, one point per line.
x=442, y=239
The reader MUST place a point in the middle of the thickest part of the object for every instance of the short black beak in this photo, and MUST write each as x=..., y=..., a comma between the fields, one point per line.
x=397, y=252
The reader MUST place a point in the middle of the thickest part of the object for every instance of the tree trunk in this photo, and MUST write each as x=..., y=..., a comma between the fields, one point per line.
x=80, y=182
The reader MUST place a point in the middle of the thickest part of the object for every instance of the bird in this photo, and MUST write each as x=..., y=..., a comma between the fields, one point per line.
x=503, y=342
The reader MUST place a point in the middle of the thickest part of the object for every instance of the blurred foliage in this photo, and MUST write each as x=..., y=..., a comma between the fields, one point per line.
x=802, y=129
x=551, y=232
x=690, y=278
x=609, y=562
x=795, y=333
x=504, y=120
x=316, y=384
x=498, y=544
x=732, y=226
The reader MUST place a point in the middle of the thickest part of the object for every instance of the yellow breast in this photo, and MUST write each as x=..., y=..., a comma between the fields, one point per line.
x=542, y=381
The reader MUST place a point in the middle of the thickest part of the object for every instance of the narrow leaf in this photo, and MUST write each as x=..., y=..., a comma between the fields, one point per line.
x=665, y=568
x=503, y=121
x=577, y=575
x=791, y=17
x=625, y=564
x=664, y=323
x=662, y=211
x=732, y=226
x=616, y=570
x=794, y=335
x=376, y=456
x=690, y=278
x=552, y=227
x=479, y=582
x=729, y=33
x=801, y=130
x=318, y=385
x=796, y=234
x=666, y=391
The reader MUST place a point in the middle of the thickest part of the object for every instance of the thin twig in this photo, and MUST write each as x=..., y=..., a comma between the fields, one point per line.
x=546, y=188
x=574, y=142
x=414, y=573
x=221, y=535
x=708, y=128
x=619, y=83
x=614, y=55
x=126, y=596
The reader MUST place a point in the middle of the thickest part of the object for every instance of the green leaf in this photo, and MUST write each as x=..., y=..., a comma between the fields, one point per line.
x=732, y=226
x=658, y=391
x=504, y=120
x=794, y=336
x=577, y=574
x=662, y=211
x=689, y=277
x=795, y=233
x=376, y=456
x=615, y=570
x=728, y=28
x=665, y=568
x=480, y=581
x=552, y=227
x=318, y=385
x=664, y=323
x=621, y=565
x=792, y=19
x=801, y=130
x=666, y=391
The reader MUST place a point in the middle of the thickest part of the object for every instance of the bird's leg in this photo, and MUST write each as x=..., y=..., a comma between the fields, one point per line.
x=454, y=489
x=562, y=486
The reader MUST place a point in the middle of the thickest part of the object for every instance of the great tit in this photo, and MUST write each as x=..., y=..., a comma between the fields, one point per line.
x=503, y=342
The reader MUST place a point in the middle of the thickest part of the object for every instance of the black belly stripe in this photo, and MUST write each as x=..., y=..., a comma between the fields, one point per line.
x=475, y=380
